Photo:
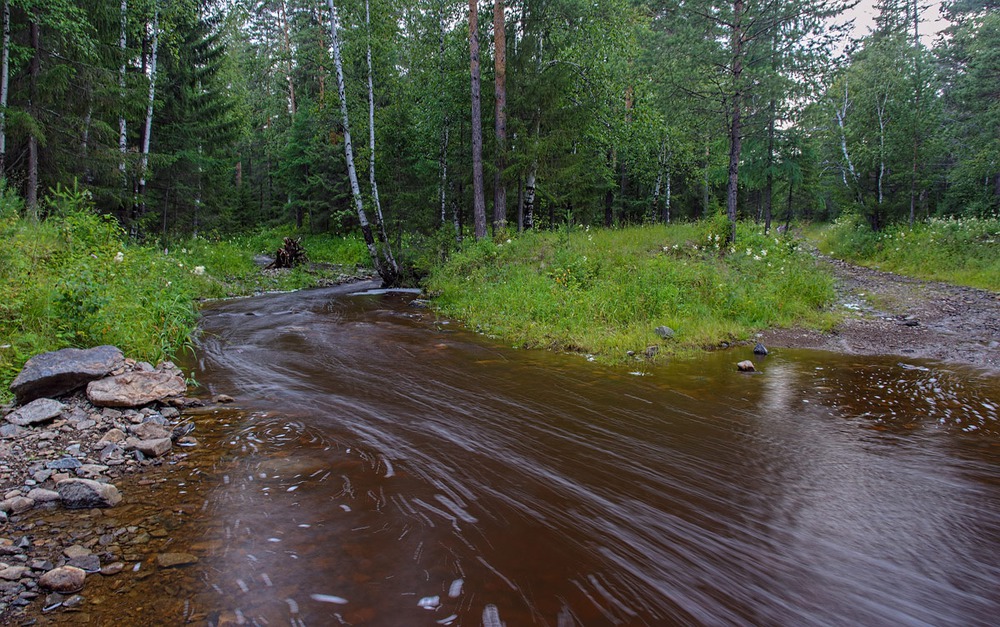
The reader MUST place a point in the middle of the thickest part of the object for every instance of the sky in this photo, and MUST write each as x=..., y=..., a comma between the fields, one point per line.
x=931, y=22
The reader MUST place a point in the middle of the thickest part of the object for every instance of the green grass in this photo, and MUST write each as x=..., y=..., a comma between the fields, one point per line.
x=605, y=291
x=73, y=279
x=961, y=251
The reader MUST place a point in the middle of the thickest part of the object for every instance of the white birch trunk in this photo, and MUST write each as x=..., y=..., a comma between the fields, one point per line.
x=292, y=108
x=529, y=196
x=144, y=160
x=380, y=221
x=4, y=81
x=666, y=199
x=388, y=275
x=122, y=128
x=443, y=168
x=880, y=111
x=841, y=114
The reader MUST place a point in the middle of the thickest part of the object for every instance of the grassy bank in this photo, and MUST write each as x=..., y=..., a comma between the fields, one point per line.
x=605, y=291
x=73, y=279
x=960, y=251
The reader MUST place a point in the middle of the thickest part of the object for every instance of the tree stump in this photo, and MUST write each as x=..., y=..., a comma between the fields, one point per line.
x=289, y=255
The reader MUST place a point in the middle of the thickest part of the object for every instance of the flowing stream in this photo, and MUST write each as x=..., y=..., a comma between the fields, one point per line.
x=387, y=467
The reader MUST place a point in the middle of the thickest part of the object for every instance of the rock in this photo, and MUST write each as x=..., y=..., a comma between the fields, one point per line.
x=10, y=431
x=112, y=569
x=87, y=563
x=134, y=389
x=87, y=493
x=113, y=436
x=149, y=431
x=13, y=573
x=76, y=550
x=150, y=448
x=759, y=349
x=223, y=398
x=187, y=441
x=170, y=413
x=42, y=475
x=62, y=371
x=170, y=368
x=89, y=471
x=651, y=351
x=169, y=560
x=83, y=425
x=66, y=463
x=746, y=366
x=16, y=505
x=38, y=410
x=181, y=431
x=665, y=332
x=41, y=495
x=65, y=579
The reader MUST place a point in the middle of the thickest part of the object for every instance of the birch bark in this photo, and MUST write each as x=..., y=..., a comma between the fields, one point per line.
x=122, y=125
x=4, y=81
x=478, y=195
x=389, y=274
x=148, y=128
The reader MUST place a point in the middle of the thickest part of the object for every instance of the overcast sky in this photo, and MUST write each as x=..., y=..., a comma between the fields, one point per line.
x=931, y=22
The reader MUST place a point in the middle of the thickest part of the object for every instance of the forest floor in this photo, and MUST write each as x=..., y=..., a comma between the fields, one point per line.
x=890, y=314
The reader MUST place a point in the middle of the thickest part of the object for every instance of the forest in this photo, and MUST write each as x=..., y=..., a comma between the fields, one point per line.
x=208, y=117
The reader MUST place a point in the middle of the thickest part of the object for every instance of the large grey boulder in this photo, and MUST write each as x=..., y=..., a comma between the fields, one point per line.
x=38, y=410
x=87, y=493
x=134, y=389
x=60, y=372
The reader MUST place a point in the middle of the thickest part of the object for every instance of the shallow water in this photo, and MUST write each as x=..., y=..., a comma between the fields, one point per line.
x=389, y=468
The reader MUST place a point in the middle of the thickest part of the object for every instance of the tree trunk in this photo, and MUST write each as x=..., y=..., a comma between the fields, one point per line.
x=34, y=69
x=880, y=110
x=443, y=172
x=769, y=182
x=529, y=195
x=379, y=219
x=705, y=189
x=666, y=199
x=388, y=272
x=735, y=129
x=122, y=124
x=520, y=204
x=609, y=194
x=478, y=197
x=4, y=81
x=788, y=211
x=500, y=82
x=148, y=128
x=292, y=108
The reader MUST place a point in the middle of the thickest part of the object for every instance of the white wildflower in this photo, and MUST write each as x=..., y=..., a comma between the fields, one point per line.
x=198, y=270
x=763, y=252
x=120, y=257
x=756, y=257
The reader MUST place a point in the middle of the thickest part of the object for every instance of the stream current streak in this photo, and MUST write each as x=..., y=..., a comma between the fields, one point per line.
x=392, y=469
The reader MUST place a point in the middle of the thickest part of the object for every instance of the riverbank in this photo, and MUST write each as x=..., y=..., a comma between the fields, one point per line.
x=634, y=293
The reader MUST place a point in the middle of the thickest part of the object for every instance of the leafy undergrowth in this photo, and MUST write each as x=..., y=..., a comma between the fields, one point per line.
x=73, y=279
x=605, y=291
x=962, y=251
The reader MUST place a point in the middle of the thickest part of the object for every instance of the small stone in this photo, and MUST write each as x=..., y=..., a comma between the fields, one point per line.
x=76, y=551
x=759, y=349
x=651, y=351
x=83, y=425
x=112, y=569
x=188, y=441
x=170, y=413
x=665, y=332
x=89, y=471
x=87, y=563
x=150, y=448
x=114, y=436
x=223, y=398
x=41, y=495
x=66, y=463
x=87, y=493
x=169, y=560
x=65, y=579
x=149, y=431
x=746, y=366
x=38, y=410
x=10, y=431
x=74, y=601
x=16, y=505
x=42, y=475
x=13, y=573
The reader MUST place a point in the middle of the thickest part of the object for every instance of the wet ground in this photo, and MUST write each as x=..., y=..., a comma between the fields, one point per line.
x=890, y=314
x=384, y=467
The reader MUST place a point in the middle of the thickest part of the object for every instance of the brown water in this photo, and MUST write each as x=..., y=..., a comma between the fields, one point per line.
x=388, y=468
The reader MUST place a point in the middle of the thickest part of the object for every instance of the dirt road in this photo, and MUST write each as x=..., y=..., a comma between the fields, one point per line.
x=889, y=314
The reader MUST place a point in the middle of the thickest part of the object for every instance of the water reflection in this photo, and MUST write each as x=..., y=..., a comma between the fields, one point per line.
x=389, y=470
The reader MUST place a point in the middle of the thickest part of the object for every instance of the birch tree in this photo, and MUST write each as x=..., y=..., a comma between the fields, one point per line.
x=154, y=35
x=380, y=254
x=478, y=198
x=500, y=81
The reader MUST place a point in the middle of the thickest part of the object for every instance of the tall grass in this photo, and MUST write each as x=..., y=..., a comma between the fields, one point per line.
x=964, y=251
x=74, y=279
x=605, y=291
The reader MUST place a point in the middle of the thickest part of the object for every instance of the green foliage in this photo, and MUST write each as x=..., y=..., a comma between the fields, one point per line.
x=604, y=292
x=965, y=251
